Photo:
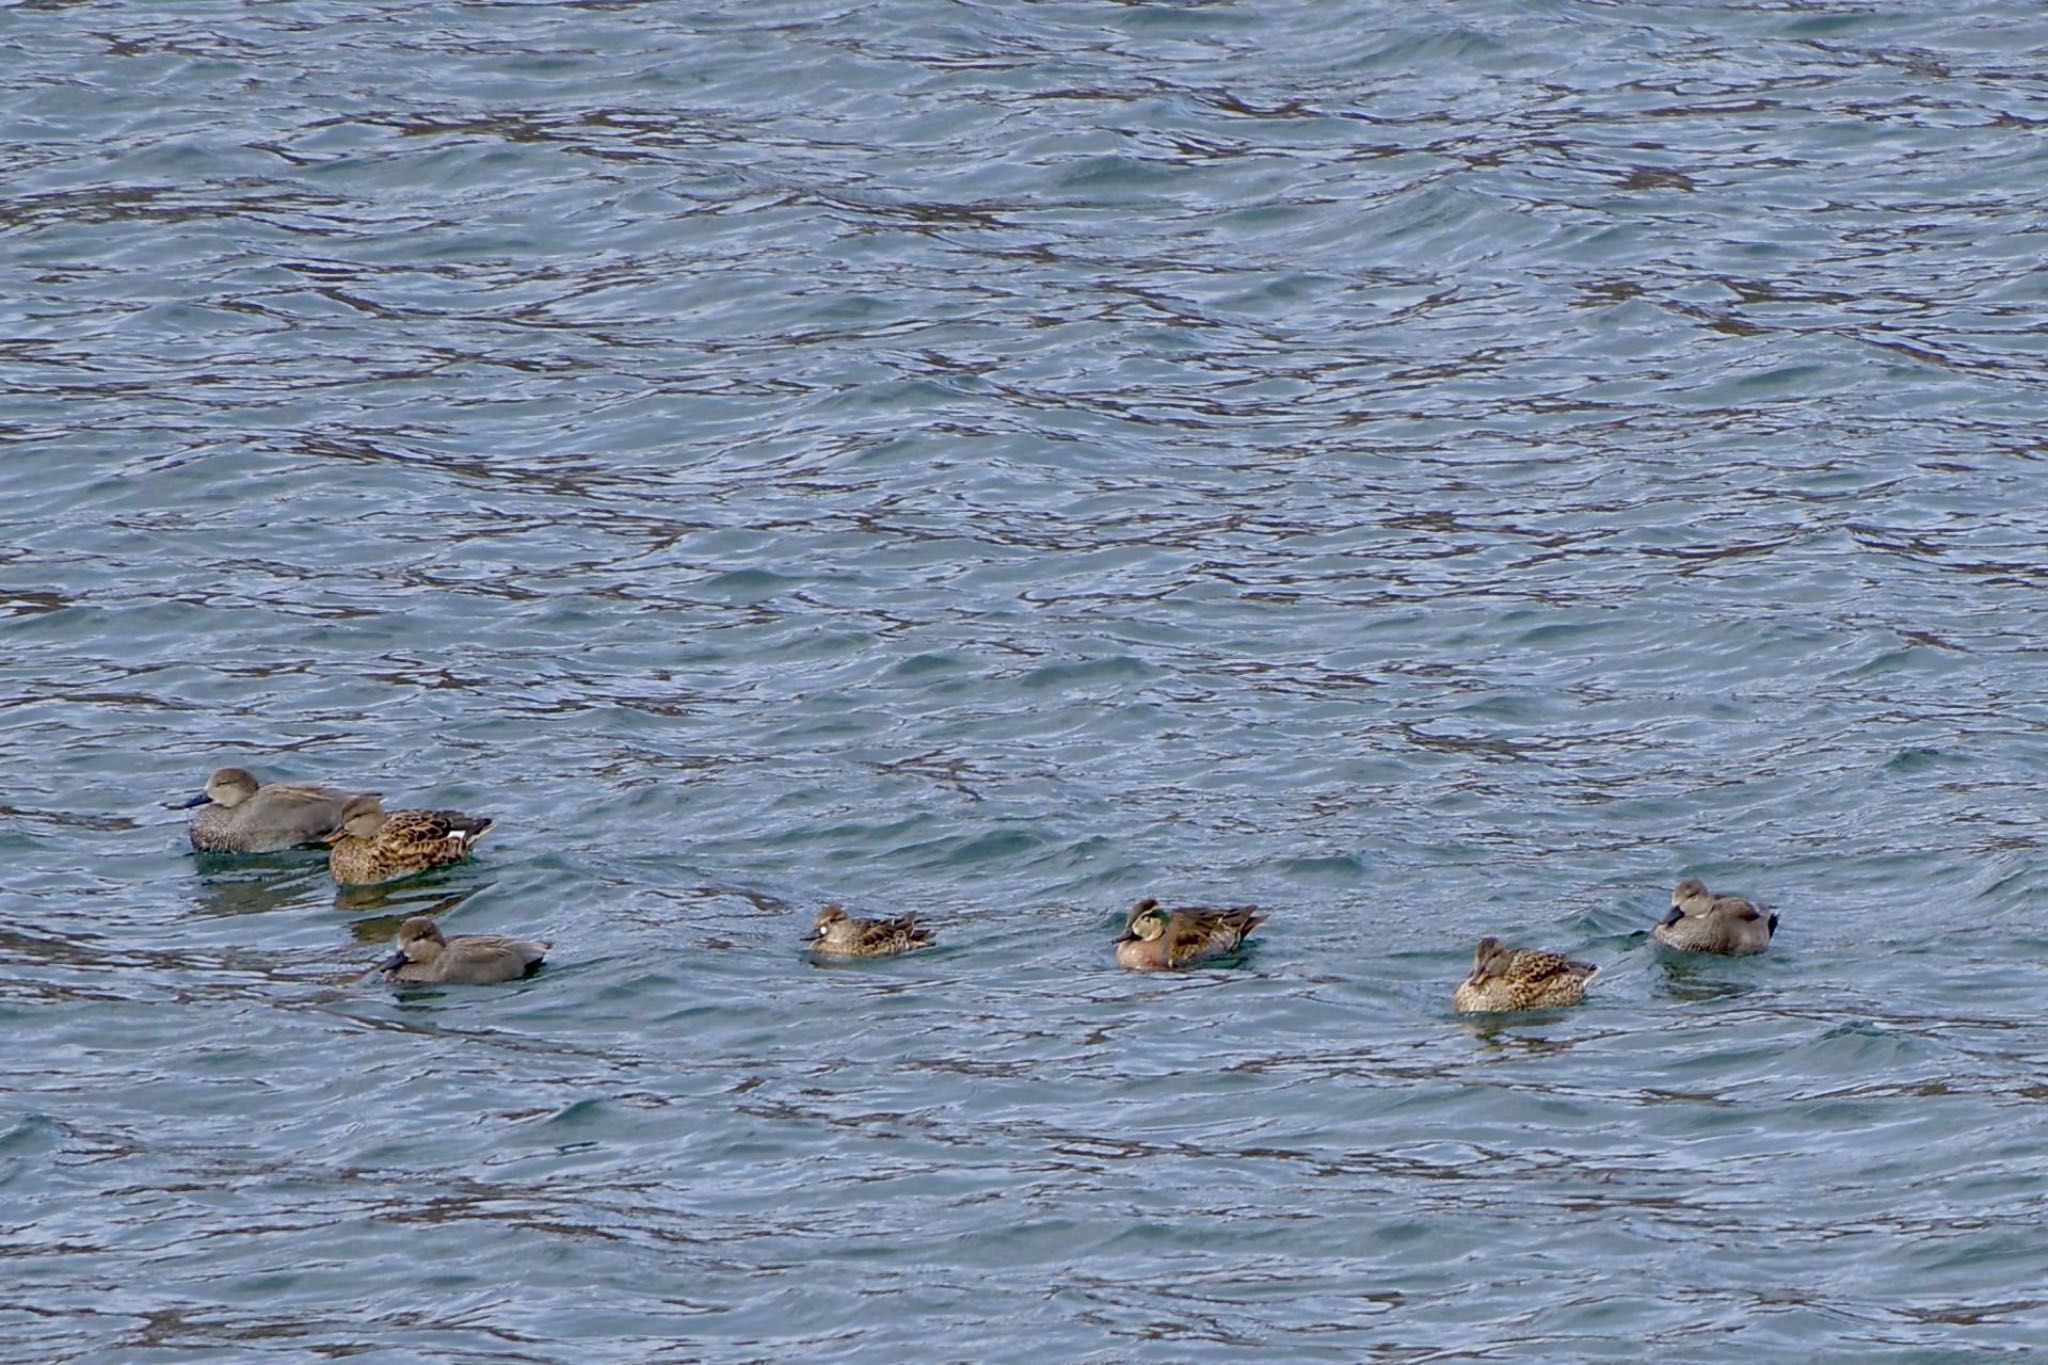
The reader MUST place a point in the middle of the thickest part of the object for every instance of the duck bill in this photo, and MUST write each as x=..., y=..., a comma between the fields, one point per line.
x=1672, y=917
x=392, y=963
x=1127, y=937
x=198, y=800
x=333, y=838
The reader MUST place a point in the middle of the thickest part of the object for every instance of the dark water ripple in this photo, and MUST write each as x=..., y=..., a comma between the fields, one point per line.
x=1431, y=470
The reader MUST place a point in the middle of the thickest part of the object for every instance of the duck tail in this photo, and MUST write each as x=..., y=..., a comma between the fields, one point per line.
x=466, y=829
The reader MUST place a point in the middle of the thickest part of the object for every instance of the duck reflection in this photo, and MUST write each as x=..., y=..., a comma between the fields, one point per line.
x=254, y=885
x=381, y=910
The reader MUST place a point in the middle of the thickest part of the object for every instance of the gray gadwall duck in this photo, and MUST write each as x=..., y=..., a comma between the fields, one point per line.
x=1157, y=940
x=465, y=960
x=1505, y=978
x=238, y=814
x=1701, y=922
x=375, y=845
x=838, y=934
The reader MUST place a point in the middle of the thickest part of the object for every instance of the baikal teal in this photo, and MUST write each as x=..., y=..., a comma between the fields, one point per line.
x=1428, y=471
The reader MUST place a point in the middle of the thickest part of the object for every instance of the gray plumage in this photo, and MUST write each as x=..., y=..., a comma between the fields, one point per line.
x=238, y=814
x=424, y=955
x=1702, y=922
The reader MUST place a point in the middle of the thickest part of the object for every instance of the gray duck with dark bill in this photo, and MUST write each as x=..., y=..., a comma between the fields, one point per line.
x=423, y=954
x=1701, y=922
x=238, y=814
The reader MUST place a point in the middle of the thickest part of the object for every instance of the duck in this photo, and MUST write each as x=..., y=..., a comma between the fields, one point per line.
x=239, y=814
x=1156, y=939
x=1505, y=978
x=838, y=934
x=1701, y=922
x=374, y=845
x=424, y=954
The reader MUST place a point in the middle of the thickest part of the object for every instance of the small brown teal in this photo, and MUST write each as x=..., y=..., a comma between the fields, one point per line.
x=838, y=934
x=374, y=845
x=1505, y=978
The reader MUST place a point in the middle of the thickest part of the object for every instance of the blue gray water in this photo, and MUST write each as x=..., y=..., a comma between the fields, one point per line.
x=1427, y=469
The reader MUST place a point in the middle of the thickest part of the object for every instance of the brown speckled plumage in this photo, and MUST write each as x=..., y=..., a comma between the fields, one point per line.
x=1505, y=978
x=374, y=845
x=838, y=934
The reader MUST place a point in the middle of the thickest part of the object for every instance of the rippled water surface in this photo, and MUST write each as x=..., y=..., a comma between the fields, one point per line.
x=1427, y=469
